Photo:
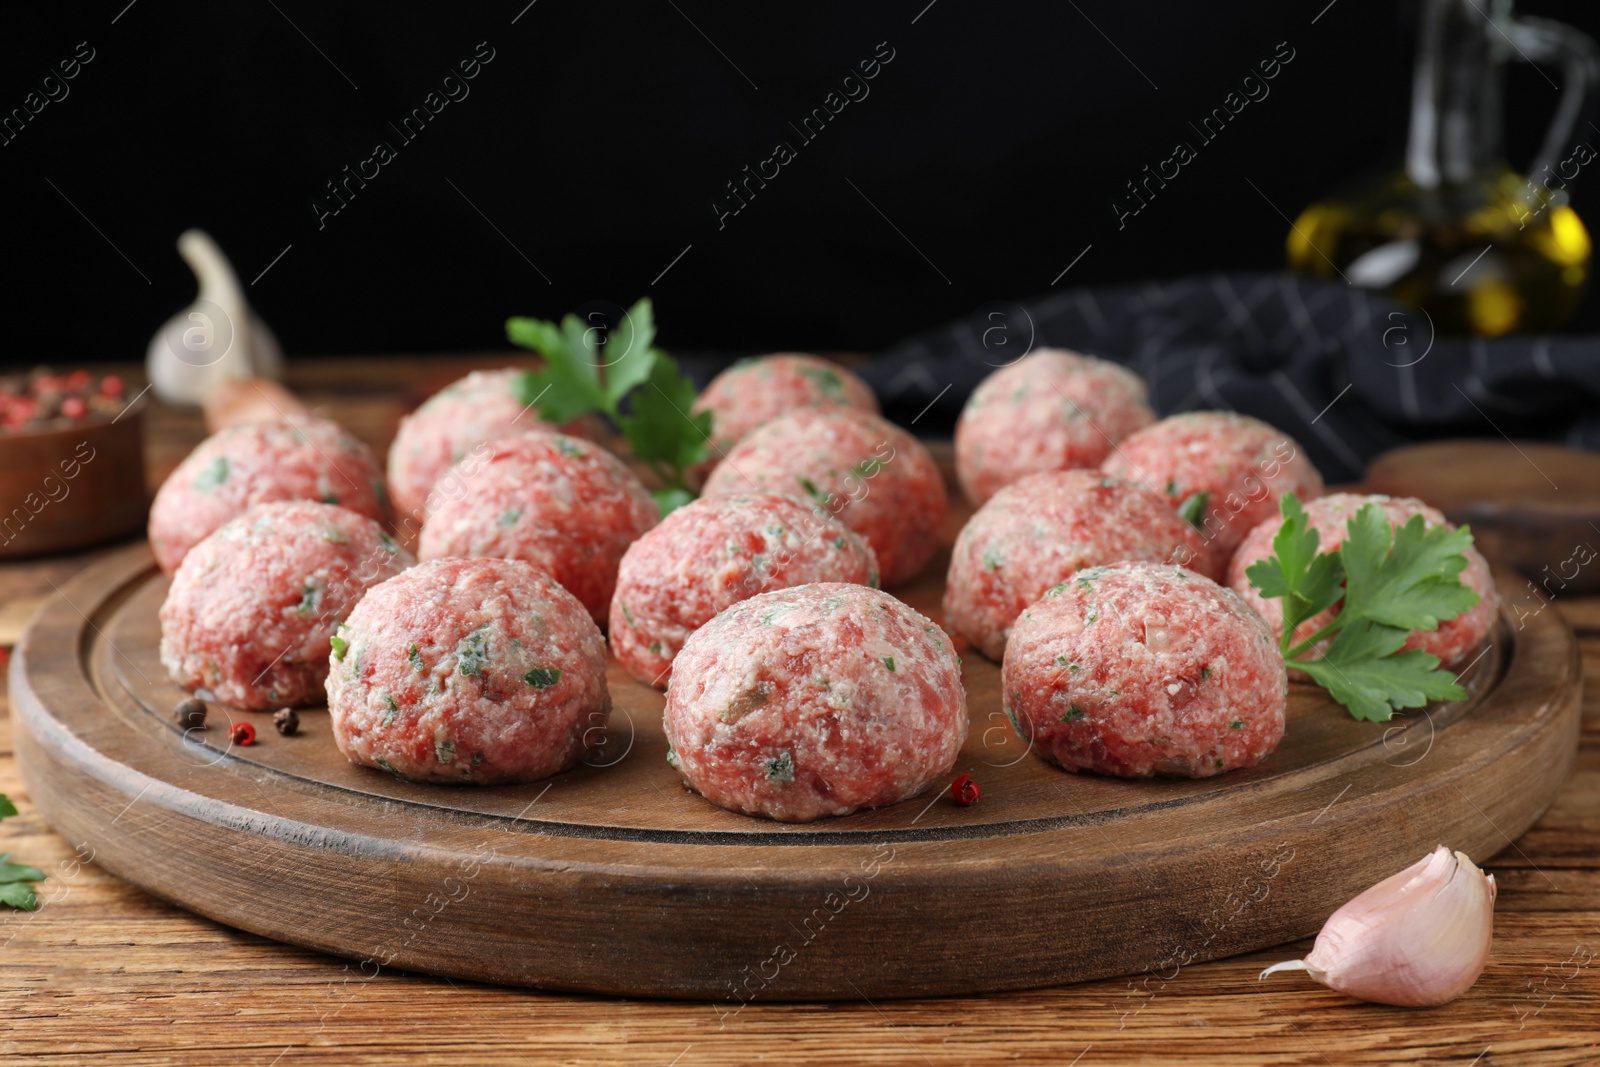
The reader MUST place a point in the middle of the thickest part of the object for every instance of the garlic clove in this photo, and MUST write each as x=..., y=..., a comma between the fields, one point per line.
x=1419, y=938
x=216, y=338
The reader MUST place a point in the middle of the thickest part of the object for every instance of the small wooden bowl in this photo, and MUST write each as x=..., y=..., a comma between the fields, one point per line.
x=73, y=487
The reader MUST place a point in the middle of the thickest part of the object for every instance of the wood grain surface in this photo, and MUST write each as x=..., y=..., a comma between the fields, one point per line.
x=105, y=973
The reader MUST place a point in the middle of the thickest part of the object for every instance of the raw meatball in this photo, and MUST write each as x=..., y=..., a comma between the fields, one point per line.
x=1454, y=641
x=1242, y=465
x=714, y=553
x=251, y=609
x=565, y=505
x=469, y=671
x=754, y=391
x=1142, y=669
x=306, y=458
x=1051, y=410
x=1034, y=533
x=452, y=423
x=817, y=700
x=873, y=476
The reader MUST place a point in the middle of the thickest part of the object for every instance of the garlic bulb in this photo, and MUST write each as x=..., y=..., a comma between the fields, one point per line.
x=216, y=338
x=1418, y=938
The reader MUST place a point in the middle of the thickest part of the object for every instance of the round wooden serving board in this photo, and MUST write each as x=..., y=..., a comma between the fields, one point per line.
x=613, y=878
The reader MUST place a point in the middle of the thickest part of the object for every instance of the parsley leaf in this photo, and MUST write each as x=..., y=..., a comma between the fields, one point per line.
x=16, y=889
x=559, y=389
x=542, y=677
x=1391, y=581
x=779, y=768
x=18, y=872
x=1193, y=510
x=1365, y=671
x=670, y=500
x=1415, y=585
x=214, y=475
x=473, y=652
x=627, y=355
x=1307, y=583
x=657, y=419
x=662, y=428
x=582, y=345
x=536, y=334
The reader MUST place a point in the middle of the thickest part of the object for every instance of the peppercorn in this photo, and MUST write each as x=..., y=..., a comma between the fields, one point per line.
x=287, y=722
x=190, y=714
x=964, y=790
x=242, y=733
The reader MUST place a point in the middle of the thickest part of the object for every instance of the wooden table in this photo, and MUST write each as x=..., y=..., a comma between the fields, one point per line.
x=105, y=973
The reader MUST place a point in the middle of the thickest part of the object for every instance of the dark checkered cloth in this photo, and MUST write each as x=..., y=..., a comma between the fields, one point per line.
x=1347, y=372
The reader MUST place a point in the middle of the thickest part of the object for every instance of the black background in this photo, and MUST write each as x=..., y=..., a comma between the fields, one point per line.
x=592, y=145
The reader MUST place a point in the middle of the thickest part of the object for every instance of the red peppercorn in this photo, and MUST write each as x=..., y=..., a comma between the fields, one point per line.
x=242, y=734
x=73, y=407
x=964, y=790
x=111, y=385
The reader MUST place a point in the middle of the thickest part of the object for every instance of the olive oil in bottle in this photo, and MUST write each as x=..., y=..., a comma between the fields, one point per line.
x=1482, y=249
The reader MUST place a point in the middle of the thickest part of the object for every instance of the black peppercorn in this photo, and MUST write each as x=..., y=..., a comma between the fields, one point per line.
x=287, y=722
x=190, y=714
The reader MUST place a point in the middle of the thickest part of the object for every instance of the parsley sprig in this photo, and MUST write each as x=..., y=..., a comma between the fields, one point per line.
x=1392, y=580
x=591, y=369
x=16, y=889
